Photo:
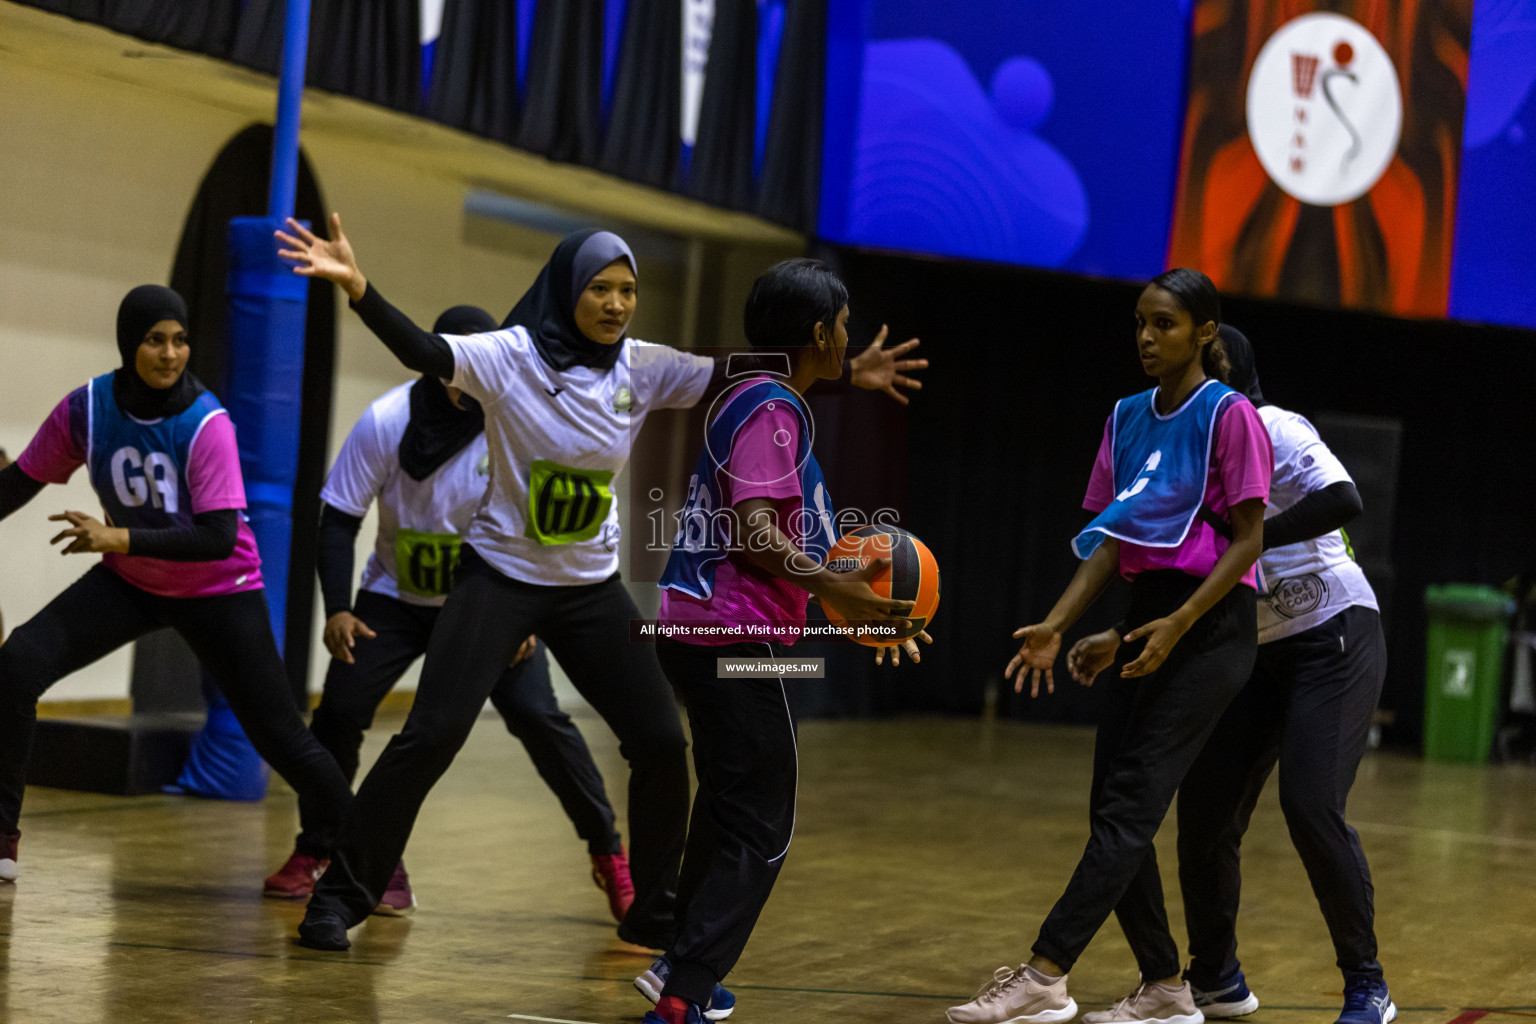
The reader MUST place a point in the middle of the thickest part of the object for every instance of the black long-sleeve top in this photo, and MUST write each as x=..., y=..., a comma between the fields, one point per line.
x=333, y=561
x=210, y=537
x=1320, y=512
x=426, y=352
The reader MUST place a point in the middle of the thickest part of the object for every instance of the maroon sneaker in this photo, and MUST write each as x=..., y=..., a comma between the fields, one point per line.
x=611, y=873
x=8, y=841
x=398, y=900
x=296, y=879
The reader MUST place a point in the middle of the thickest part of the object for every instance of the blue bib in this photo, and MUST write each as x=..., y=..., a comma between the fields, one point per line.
x=1160, y=468
x=704, y=536
x=139, y=468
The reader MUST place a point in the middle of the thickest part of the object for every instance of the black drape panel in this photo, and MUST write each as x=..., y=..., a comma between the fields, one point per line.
x=644, y=127
x=1026, y=368
x=207, y=26
x=370, y=49
x=236, y=186
x=562, y=112
x=83, y=10
x=474, y=73
x=790, y=189
x=721, y=168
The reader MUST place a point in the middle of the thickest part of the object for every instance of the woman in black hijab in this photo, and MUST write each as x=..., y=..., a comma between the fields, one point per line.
x=418, y=454
x=176, y=552
x=565, y=393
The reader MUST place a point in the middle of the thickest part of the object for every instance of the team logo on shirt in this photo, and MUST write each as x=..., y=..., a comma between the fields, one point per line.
x=623, y=401
x=1295, y=597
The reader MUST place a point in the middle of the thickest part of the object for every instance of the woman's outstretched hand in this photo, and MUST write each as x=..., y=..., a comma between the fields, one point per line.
x=878, y=368
x=909, y=645
x=314, y=256
x=1036, y=657
x=89, y=535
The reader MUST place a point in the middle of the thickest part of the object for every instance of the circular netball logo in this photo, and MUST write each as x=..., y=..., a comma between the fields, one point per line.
x=1324, y=109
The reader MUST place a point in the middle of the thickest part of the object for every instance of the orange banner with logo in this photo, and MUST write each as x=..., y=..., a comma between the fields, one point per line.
x=1321, y=148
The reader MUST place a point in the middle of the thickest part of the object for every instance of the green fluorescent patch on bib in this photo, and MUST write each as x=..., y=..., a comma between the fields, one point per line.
x=425, y=562
x=566, y=505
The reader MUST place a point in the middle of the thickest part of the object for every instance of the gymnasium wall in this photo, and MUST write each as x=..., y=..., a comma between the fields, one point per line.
x=97, y=178
x=992, y=460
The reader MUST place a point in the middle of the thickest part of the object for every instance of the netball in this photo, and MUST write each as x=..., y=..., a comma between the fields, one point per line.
x=913, y=575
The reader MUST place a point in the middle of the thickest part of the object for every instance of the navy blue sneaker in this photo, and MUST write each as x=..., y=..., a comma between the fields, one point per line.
x=1366, y=1001
x=651, y=981
x=1230, y=998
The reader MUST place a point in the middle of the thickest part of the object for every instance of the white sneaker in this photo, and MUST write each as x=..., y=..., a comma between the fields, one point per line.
x=8, y=842
x=1023, y=996
x=1151, y=1004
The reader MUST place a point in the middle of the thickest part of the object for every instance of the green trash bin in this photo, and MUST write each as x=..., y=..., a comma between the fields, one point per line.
x=1468, y=627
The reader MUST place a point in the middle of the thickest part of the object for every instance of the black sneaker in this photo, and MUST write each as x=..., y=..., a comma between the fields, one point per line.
x=324, y=929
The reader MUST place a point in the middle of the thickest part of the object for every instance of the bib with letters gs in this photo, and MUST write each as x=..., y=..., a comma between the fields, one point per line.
x=1161, y=463
x=704, y=535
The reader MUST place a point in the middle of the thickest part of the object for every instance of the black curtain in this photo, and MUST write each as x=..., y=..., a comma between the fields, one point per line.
x=997, y=448
x=790, y=189
x=474, y=72
x=370, y=49
x=721, y=168
x=236, y=186
x=205, y=27
x=645, y=125
x=562, y=112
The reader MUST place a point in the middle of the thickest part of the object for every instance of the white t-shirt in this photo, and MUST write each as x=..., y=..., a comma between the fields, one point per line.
x=420, y=521
x=556, y=442
x=1310, y=582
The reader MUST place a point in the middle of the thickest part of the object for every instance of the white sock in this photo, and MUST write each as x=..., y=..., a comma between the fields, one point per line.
x=1040, y=977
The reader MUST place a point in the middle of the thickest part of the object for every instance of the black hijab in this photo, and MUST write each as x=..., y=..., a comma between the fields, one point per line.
x=1244, y=377
x=141, y=309
x=438, y=430
x=547, y=310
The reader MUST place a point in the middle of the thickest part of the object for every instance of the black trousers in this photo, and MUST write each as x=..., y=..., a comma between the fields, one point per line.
x=1150, y=731
x=486, y=618
x=523, y=695
x=745, y=758
x=1308, y=706
x=232, y=637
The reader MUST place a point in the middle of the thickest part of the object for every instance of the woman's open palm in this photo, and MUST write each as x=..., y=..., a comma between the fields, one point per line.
x=313, y=256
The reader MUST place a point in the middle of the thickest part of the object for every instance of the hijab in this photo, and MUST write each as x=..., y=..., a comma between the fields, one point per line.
x=438, y=430
x=548, y=310
x=1244, y=376
x=141, y=309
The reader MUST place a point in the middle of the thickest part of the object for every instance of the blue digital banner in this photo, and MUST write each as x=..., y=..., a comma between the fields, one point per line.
x=1493, y=273
x=1016, y=131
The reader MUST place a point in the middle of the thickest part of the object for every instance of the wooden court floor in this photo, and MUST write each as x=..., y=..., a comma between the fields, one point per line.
x=925, y=854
